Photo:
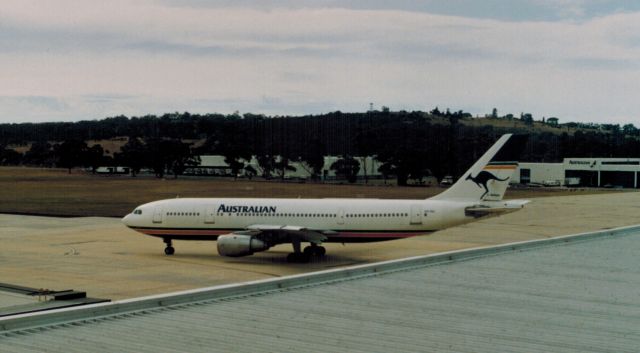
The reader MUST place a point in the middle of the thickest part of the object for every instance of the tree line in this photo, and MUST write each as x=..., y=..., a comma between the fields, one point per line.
x=409, y=145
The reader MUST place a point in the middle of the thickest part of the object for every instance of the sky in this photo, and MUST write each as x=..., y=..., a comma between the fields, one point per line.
x=578, y=60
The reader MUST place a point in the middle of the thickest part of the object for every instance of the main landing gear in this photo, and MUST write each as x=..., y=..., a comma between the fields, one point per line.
x=304, y=256
x=169, y=250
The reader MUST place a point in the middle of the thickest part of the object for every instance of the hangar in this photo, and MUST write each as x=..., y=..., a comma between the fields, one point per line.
x=588, y=172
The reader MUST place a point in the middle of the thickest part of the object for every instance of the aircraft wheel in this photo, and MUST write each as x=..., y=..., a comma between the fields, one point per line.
x=315, y=250
x=169, y=250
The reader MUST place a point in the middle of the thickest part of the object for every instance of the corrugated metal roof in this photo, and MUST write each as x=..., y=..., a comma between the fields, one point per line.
x=579, y=297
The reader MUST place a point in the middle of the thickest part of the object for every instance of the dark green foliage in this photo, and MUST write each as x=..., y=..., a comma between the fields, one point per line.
x=40, y=154
x=267, y=164
x=133, y=155
x=346, y=167
x=410, y=145
x=312, y=158
x=250, y=171
x=70, y=154
x=169, y=156
x=9, y=156
x=94, y=157
x=282, y=166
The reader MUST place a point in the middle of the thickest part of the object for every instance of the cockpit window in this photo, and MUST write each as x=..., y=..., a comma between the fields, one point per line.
x=137, y=212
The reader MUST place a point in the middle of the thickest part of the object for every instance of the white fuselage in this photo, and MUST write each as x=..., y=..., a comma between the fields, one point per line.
x=342, y=220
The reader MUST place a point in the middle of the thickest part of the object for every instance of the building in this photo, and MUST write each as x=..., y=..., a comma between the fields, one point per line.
x=588, y=172
x=215, y=165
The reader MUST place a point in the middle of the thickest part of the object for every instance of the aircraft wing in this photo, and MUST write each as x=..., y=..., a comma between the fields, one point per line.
x=284, y=233
x=495, y=208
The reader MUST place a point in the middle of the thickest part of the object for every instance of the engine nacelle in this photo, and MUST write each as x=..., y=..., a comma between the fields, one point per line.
x=235, y=245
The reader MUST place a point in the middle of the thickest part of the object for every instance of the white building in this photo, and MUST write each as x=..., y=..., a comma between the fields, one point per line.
x=591, y=172
x=215, y=165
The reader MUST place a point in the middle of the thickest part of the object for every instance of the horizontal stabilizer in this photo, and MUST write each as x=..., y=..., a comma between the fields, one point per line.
x=495, y=208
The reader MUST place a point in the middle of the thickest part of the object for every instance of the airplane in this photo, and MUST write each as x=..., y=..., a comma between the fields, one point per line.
x=244, y=226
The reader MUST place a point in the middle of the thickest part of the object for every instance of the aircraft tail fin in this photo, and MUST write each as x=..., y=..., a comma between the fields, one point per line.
x=488, y=178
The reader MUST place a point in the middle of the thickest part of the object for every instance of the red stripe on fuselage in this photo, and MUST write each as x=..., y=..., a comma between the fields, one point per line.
x=176, y=233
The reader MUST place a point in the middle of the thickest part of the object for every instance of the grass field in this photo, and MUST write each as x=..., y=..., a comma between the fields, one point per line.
x=55, y=192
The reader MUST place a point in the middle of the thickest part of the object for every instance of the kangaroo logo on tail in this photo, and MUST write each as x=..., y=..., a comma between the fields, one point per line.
x=482, y=179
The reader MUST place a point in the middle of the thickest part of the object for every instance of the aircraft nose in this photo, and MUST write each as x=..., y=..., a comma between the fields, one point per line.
x=126, y=220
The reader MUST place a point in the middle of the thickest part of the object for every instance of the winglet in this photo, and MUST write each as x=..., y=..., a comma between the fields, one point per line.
x=486, y=180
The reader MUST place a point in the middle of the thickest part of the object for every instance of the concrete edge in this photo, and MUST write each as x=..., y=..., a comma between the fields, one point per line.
x=95, y=311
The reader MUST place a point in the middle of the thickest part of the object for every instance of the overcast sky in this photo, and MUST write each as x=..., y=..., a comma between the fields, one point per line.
x=578, y=60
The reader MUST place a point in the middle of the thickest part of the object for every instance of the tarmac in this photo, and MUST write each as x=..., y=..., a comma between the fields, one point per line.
x=107, y=260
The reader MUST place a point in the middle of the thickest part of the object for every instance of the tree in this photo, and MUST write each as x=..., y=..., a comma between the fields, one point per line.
x=132, y=155
x=235, y=163
x=9, y=156
x=365, y=143
x=346, y=167
x=630, y=130
x=250, y=171
x=40, y=154
x=312, y=158
x=402, y=148
x=94, y=157
x=70, y=154
x=157, y=152
x=282, y=166
x=267, y=164
x=232, y=142
x=180, y=157
x=526, y=118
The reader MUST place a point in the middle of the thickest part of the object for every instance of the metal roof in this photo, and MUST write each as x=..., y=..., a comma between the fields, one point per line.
x=551, y=295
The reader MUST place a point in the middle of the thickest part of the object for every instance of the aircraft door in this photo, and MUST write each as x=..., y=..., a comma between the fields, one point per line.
x=416, y=214
x=341, y=216
x=157, y=214
x=210, y=214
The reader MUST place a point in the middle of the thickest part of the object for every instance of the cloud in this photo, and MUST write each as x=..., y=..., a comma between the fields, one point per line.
x=151, y=57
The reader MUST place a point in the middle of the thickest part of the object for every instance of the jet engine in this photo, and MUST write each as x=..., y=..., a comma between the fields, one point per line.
x=235, y=245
